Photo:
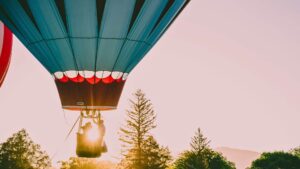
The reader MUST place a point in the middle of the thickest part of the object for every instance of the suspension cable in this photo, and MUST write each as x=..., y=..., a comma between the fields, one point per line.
x=66, y=138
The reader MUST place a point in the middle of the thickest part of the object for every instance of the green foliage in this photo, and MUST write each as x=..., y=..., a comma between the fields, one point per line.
x=140, y=149
x=191, y=160
x=217, y=161
x=20, y=152
x=197, y=156
x=276, y=160
x=201, y=156
x=296, y=151
x=85, y=163
x=156, y=157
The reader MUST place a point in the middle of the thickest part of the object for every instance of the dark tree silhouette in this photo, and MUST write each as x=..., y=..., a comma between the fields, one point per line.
x=156, y=157
x=201, y=156
x=197, y=156
x=276, y=160
x=20, y=152
x=217, y=161
x=190, y=160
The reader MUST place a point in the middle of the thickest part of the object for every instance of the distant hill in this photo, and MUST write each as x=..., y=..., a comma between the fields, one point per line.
x=241, y=158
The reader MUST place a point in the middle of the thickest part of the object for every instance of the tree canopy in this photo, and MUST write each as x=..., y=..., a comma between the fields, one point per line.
x=217, y=161
x=85, y=163
x=156, y=156
x=20, y=152
x=296, y=151
x=276, y=160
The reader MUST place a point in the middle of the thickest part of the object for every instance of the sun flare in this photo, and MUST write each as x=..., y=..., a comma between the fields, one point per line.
x=93, y=134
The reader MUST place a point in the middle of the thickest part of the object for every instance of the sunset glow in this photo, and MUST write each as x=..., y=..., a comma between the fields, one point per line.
x=229, y=67
x=93, y=134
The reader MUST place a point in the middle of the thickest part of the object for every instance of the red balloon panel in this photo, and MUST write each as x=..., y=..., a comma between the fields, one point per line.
x=5, y=50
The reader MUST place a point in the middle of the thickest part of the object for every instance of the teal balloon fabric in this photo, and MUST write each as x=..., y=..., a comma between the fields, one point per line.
x=89, y=36
x=89, y=46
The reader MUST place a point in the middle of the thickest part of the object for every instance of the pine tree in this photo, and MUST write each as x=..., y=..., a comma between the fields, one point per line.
x=201, y=156
x=199, y=143
x=196, y=158
x=141, y=151
x=157, y=157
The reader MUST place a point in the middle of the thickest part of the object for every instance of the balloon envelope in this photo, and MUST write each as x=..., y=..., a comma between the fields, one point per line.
x=90, y=46
x=5, y=50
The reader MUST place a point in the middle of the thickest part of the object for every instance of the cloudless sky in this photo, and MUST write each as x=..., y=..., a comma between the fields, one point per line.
x=230, y=67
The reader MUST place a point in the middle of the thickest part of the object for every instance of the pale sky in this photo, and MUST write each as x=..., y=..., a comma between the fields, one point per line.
x=230, y=67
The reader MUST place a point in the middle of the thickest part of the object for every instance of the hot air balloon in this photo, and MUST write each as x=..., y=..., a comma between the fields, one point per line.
x=5, y=50
x=90, y=47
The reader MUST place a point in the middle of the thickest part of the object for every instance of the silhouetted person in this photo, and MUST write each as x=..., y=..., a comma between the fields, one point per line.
x=86, y=128
x=102, y=134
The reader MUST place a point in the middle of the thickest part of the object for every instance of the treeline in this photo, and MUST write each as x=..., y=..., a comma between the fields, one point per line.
x=278, y=160
x=140, y=149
